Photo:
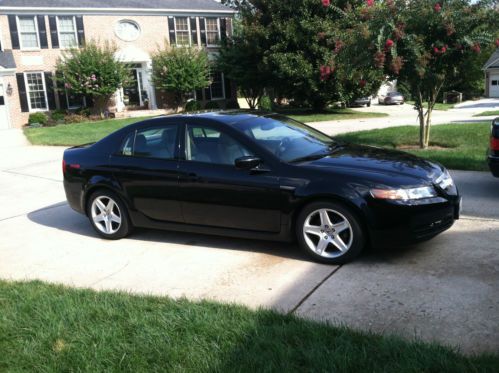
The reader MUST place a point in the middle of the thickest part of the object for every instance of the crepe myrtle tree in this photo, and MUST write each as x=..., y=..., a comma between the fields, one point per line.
x=180, y=71
x=92, y=71
x=420, y=43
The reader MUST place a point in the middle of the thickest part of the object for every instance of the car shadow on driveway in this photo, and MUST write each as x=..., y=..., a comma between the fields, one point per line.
x=61, y=216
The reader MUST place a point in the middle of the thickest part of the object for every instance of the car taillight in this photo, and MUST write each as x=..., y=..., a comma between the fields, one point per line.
x=494, y=143
x=63, y=166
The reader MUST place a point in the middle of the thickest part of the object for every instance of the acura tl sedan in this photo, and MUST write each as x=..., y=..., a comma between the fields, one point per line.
x=258, y=175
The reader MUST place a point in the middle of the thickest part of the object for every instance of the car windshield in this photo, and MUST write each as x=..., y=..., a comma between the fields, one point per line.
x=289, y=140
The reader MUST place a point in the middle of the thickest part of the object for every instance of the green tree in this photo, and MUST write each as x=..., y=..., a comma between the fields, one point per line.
x=92, y=71
x=180, y=71
x=426, y=43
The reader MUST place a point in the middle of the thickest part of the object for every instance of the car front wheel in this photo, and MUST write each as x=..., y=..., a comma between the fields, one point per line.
x=108, y=215
x=330, y=233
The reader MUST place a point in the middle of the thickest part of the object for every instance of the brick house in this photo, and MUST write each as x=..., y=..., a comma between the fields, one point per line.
x=35, y=33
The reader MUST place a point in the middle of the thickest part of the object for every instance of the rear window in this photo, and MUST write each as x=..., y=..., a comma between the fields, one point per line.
x=156, y=142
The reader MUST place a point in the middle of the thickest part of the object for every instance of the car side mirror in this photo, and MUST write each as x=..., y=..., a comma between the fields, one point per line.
x=247, y=163
x=495, y=122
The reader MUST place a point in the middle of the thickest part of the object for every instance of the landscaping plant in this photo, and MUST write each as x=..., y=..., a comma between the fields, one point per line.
x=92, y=71
x=180, y=71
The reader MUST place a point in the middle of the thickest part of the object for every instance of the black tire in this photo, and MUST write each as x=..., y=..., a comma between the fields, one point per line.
x=369, y=104
x=118, y=231
x=356, y=230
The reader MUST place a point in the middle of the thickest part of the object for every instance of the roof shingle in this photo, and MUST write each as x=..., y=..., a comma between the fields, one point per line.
x=190, y=5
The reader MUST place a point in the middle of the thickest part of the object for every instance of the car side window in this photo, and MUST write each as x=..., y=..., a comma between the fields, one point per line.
x=156, y=142
x=205, y=144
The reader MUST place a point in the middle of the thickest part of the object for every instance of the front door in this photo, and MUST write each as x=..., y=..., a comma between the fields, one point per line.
x=4, y=115
x=215, y=193
x=147, y=170
x=133, y=90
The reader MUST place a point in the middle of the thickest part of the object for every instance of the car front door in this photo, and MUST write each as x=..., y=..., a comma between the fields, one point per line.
x=216, y=193
x=146, y=167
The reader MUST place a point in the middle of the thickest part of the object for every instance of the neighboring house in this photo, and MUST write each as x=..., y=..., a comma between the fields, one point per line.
x=491, y=69
x=35, y=33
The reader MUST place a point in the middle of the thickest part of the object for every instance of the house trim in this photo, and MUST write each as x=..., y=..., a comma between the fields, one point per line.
x=114, y=11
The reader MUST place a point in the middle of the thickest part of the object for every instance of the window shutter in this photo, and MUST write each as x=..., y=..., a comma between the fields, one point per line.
x=81, y=30
x=23, y=98
x=42, y=31
x=223, y=29
x=207, y=94
x=61, y=91
x=14, y=35
x=228, y=90
x=171, y=28
x=194, y=31
x=199, y=95
x=49, y=84
x=202, y=27
x=53, y=31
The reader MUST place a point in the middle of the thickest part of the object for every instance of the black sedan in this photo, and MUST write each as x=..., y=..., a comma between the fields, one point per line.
x=493, y=156
x=255, y=175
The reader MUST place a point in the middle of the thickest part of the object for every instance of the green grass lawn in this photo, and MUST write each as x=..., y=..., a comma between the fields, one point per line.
x=487, y=113
x=55, y=329
x=307, y=116
x=438, y=106
x=76, y=134
x=465, y=144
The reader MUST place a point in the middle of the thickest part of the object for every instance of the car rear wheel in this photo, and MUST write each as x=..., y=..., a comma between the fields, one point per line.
x=330, y=233
x=108, y=215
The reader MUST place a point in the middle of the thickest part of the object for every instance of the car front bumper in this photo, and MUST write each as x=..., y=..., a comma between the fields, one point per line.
x=397, y=224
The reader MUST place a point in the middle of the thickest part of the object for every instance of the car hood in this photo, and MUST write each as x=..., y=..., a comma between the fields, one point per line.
x=386, y=166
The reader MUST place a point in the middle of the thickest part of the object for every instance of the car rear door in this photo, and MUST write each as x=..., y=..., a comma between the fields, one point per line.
x=146, y=167
x=215, y=193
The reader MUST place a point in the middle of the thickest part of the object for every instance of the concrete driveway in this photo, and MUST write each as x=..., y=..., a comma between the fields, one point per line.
x=445, y=290
x=405, y=115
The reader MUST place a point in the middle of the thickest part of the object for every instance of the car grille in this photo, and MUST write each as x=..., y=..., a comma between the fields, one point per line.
x=435, y=227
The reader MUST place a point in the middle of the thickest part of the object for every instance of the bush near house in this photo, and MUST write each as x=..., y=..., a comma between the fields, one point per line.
x=92, y=71
x=212, y=105
x=193, y=105
x=38, y=119
x=180, y=71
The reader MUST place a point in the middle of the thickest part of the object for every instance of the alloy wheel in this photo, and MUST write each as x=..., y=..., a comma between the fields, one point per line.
x=327, y=233
x=106, y=215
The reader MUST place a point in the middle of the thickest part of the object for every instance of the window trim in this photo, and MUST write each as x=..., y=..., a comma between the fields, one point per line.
x=218, y=32
x=188, y=32
x=28, y=91
x=37, y=31
x=59, y=32
x=213, y=98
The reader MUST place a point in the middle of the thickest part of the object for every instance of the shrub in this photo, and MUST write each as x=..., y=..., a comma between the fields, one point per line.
x=193, y=105
x=212, y=105
x=232, y=104
x=38, y=118
x=85, y=111
x=265, y=103
x=57, y=116
x=75, y=118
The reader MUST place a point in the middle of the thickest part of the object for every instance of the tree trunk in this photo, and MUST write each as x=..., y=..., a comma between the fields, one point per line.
x=100, y=105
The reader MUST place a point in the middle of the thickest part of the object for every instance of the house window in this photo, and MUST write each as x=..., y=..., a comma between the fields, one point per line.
x=28, y=32
x=495, y=82
x=212, y=31
x=182, y=31
x=217, y=86
x=66, y=27
x=36, y=90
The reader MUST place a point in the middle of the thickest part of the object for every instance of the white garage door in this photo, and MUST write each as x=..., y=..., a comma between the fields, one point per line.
x=494, y=85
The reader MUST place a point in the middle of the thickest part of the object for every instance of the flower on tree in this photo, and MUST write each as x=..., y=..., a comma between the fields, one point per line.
x=437, y=7
x=326, y=3
x=379, y=59
x=362, y=83
x=370, y=2
x=497, y=43
x=389, y=44
x=326, y=72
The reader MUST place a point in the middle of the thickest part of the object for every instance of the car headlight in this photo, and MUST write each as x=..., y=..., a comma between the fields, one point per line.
x=404, y=194
x=444, y=181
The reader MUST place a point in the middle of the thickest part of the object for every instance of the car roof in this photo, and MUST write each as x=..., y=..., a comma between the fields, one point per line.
x=229, y=117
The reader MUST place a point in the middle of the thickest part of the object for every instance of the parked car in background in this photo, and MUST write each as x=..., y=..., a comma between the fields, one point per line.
x=361, y=101
x=391, y=98
x=265, y=176
x=493, y=156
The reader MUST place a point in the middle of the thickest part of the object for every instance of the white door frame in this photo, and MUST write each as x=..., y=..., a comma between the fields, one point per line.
x=5, y=107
